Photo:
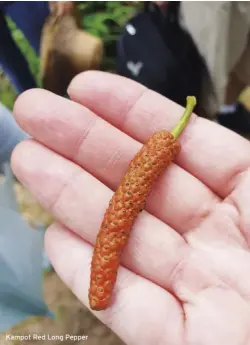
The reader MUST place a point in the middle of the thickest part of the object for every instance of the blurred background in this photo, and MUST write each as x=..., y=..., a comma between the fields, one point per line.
x=106, y=21
x=103, y=19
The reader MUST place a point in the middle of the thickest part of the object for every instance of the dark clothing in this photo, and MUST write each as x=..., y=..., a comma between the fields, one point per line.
x=29, y=17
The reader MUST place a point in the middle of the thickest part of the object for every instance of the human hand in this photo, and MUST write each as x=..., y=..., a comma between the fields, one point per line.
x=185, y=276
x=61, y=8
x=161, y=3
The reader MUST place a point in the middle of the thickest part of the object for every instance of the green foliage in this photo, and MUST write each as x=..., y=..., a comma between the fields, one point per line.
x=7, y=93
x=26, y=49
x=104, y=19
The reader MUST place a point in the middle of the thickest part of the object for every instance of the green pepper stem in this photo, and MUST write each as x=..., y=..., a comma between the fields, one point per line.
x=191, y=103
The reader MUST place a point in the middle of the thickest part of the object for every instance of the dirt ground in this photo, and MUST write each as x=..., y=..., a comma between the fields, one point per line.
x=72, y=317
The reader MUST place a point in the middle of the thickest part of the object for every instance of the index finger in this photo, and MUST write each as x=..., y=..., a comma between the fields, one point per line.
x=213, y=154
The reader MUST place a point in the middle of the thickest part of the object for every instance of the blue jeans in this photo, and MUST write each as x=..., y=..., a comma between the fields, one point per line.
x=10, y=135
x=29, y=17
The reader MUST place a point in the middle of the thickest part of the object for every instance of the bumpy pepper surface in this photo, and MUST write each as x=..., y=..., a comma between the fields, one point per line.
x=127, y=202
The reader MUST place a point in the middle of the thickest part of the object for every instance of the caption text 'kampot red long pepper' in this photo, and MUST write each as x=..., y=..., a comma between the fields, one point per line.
x=128, y=200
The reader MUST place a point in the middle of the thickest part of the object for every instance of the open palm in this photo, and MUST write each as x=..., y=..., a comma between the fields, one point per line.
x=185, y=274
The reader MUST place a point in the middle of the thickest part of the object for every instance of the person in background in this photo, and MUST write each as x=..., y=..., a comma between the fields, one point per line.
x=10, y=135
x=221, y=31
x=29, y=17
x=222, y=36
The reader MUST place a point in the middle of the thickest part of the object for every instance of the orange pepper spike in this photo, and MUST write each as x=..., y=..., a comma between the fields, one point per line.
x=127, y=202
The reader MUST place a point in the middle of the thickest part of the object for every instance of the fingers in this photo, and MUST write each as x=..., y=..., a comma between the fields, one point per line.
x=141, y=311
x=79, y=201
x=104, y=151
x=212, y=153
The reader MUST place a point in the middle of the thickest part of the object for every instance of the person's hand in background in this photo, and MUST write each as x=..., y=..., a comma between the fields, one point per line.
x=161, y=3
x=185, y=276
x=61, y=8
